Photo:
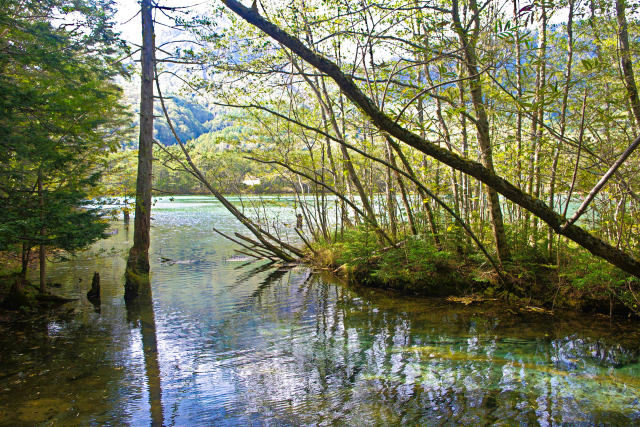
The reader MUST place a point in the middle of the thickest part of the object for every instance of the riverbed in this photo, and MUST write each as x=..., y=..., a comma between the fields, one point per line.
x=227, y=340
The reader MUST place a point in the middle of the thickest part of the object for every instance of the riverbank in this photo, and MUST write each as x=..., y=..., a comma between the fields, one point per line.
x=417, y=266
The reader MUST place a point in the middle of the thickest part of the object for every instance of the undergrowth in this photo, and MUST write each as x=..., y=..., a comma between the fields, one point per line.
x=572, y=277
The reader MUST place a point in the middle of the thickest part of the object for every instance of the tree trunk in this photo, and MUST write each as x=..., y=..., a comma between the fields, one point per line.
x=518, y=176
x=403, y=192
x=423, y=197
x=26, y=254
x=43, y=233
x=563, y=122
x=138, y=262
x=537, y=124
x=466, y=185
x=482, y=127
x=625, y=60
x=391, y=197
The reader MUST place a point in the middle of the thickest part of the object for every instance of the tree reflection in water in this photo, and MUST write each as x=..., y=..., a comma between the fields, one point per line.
x=329, y=354
x=140, y=312
x=246, y=344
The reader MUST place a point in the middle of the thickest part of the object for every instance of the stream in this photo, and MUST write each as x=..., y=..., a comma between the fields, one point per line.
x=226, y=340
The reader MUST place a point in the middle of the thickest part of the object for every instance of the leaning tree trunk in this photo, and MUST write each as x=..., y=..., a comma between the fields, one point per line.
x=138, y=262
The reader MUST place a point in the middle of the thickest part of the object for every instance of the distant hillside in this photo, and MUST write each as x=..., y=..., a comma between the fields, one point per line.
x=190, y=118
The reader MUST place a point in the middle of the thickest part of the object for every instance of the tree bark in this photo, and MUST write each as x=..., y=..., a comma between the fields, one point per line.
x=26, y=254
x=43, y=233
x=403, y=192
x=391, y=196
x=625, y=60
x=518, y=176
x=138, y=262
x=537, y=124
x=563, y=122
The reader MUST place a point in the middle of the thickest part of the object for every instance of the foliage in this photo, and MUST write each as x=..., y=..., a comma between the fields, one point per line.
x=354, y=247
x=543, y=105
x=414, y=264
x=59, y=117
x=597, y=279
x=417, y=261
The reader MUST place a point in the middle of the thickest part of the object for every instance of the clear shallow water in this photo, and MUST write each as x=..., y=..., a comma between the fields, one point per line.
x=229, y=343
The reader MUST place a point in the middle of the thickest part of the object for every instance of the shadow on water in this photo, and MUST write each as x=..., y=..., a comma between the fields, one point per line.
x=275, y=276
x=269, y=280
x=255, y=271
x=243, y=265
x=140, y=312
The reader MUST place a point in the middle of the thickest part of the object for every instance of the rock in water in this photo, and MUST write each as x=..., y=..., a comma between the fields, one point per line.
x=94, y=293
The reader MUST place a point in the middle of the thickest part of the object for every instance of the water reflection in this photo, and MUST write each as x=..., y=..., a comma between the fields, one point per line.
x=226, y=342
x=140, y=313
x=343, y=358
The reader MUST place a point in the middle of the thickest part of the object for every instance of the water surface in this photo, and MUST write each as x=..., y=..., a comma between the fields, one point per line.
x=222, y=341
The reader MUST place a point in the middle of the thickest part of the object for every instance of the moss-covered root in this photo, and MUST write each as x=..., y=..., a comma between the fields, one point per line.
x=135, y=283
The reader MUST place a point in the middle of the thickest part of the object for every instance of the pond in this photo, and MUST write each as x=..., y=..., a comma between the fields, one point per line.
x=225, y=341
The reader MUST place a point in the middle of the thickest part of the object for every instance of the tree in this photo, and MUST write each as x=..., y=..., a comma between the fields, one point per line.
x=386, y=124
x=138, y=261
x=468, y=42
x=59, y=117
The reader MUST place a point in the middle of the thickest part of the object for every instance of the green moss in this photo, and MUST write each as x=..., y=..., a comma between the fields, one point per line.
x=135, y=283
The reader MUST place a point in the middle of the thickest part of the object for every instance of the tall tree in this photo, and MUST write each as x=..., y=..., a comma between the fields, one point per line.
x=468, y=43
x=625, y=60
x=59, y=117
x=138, y=261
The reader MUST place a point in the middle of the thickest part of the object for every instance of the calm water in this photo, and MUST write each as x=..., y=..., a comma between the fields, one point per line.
x=226, y=342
